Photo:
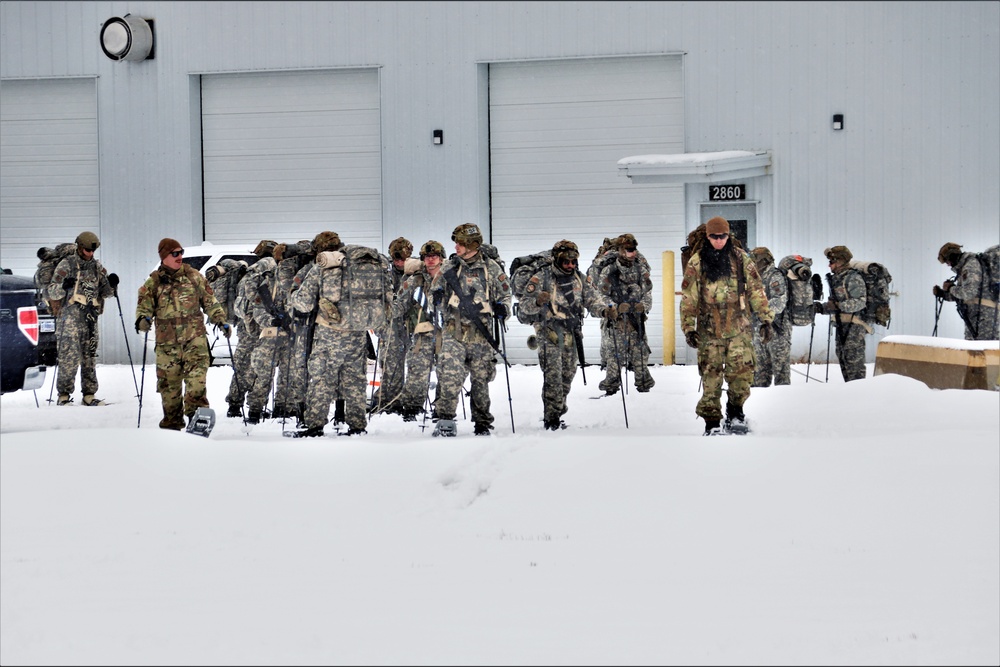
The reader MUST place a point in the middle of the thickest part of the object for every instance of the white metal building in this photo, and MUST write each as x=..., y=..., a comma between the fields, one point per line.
x=253, y=120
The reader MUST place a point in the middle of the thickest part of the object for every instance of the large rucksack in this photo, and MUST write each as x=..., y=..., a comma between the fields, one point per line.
x=877, y=279
x=798, y=273
x=364, y=282
x=521, y=270
x=990, y=259
x=491, y=251
x=49, y=259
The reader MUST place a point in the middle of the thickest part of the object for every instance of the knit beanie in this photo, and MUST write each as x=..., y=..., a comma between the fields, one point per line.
x=717, y=225
x=167, y=246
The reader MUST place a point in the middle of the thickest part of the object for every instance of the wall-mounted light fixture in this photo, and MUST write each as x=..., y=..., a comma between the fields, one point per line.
x=438, y=137
x=838, y=121
x=127, y=38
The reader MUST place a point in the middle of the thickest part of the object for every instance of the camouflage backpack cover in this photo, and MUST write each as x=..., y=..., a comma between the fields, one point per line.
x=363, y=290
x=877, y=280
x=798, y=272
x=990, y=259
x=48, y=260
x=521, y=271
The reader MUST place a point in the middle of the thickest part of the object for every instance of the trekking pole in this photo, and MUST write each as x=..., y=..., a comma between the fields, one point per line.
x=829, y=334
x=937, y=313
x=812, y=331
x=236, y=376
x=113, y=281
x=142, y=384
x=503, y=342
x=614, y=341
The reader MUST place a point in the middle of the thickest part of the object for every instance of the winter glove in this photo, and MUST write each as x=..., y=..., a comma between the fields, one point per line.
x=939, y=293
x=113, y=280
x=224, y=329
x=692, y=338
x=639, y=308
x=817, y=285
x=947, y=285
x=543, y=298
x=499, y=310
x=766, y=333
x=142, y=324
x=624, y=307
x=281, y=320
x=610, y=313
x=67, y=283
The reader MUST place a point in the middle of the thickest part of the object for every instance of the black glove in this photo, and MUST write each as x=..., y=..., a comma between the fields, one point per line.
x=142, y=324
x=692, y=338
x=938, y=292
x=67, y=283
x=818, y=307
x=766, y=333
x=113, y=281
x=280, y=320
x=225, y=329
x=817, y=284
x=500, y=310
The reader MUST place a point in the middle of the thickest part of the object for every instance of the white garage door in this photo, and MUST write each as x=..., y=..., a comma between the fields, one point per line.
x=557, y=131
x=49, y=184
x=288, y=155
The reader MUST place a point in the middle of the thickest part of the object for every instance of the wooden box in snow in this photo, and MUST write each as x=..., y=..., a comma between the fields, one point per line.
x=941, y=363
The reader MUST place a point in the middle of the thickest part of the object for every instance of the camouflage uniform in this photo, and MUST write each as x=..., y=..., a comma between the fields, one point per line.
x=412, y=305
x=272, y=342
x=224, y=278
x=175, y=301
x=303, y=327
x=248, y=337
x=605, y=254
x=774, y=357
x=977, y=310
x=464, y=349
x=76, y=320
x=560, y=298
x=337, y=363
x=718, y=312
x=289, y=394
x=627, y=284
x=848, y=297
x=393, y=343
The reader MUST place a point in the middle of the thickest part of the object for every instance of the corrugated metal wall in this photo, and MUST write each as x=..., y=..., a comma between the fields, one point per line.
x=919, y=84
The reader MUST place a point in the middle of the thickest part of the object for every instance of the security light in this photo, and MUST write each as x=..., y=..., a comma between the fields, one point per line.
x=127, y=38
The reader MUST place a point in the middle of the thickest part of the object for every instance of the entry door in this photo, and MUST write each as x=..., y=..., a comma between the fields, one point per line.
x=742, y=217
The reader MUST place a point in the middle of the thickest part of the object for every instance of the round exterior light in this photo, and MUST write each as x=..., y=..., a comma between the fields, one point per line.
x=126, y=38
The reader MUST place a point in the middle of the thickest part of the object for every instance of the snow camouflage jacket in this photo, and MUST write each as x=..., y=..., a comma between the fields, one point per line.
x=717, y=309
x=175, y=301
x=90, y=284
x=485, y=280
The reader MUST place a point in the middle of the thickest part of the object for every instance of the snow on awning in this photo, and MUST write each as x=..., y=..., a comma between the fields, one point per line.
x=696, y=167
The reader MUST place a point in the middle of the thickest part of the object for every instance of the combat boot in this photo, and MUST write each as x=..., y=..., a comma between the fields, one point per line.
x=712, y=426
x=483, y=429
x=234, y=410
x=254, y=416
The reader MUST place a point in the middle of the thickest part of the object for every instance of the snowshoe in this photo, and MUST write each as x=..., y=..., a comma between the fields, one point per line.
x=445, y=428
x=314, y=432
x=202, y=422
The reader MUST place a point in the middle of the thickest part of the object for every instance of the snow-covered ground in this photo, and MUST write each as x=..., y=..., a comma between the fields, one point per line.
x=858, y=524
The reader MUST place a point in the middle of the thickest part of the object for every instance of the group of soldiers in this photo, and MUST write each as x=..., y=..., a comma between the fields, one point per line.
x=443, y=316
x=303, y=313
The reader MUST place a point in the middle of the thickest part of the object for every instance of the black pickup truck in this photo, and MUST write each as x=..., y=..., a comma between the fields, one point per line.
x=21, y=363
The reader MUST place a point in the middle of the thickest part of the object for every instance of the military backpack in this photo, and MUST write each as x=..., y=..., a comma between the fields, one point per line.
x=798, y=273
x=521, y=271
x=49, y=259
x=877, y=280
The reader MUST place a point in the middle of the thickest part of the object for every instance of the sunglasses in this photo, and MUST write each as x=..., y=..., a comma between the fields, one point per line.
x=718, y=237
x=177, y=253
